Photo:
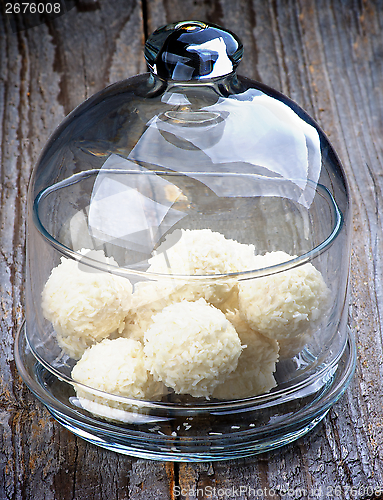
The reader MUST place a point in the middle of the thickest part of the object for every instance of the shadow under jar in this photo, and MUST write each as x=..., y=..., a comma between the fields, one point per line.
x=187, y=261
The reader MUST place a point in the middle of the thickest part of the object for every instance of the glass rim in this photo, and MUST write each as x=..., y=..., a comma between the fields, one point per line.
x=126, y=272
x=275, y=397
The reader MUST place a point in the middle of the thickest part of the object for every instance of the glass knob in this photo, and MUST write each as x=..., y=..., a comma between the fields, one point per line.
x=192, y=50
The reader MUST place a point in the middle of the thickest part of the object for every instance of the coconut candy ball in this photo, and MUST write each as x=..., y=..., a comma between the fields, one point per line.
x=115, y=367
x=284, y=304
x=191, y=347
x=202, y=252
x=85, y=305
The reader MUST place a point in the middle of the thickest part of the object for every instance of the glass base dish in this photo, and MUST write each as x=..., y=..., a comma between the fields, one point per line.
x=193, y=433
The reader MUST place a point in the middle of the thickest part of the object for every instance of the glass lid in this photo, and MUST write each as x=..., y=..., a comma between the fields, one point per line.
x=189, y=145
x=190, y=195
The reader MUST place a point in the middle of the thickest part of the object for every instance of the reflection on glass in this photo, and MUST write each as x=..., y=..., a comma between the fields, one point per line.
x=245, y=133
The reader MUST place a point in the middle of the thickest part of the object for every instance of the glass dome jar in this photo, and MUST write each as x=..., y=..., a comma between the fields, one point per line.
x=187, y=261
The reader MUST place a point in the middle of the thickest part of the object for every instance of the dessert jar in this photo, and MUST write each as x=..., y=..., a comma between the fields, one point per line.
x=188, y=255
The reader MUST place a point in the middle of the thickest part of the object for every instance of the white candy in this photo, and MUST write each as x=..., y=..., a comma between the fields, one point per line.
x=116, y=367
x=284, y=304
x=85, y=305
x=191, y=347
x=202, y=252
x=172, y=331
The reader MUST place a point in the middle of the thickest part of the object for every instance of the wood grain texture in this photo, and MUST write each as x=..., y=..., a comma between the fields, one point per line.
x=328, y=56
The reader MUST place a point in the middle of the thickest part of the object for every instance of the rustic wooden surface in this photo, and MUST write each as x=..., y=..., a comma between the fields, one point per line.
x=325, y=54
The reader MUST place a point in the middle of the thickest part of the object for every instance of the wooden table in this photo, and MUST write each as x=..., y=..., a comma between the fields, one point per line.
x=327, y=55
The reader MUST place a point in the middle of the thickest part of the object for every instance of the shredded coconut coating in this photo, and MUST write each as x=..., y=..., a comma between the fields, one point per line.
x=202, y=252
x=85, y=305
x=254, y=374
x=191, y=347
x=208, y=337
x=115, y=367
x=285, y=304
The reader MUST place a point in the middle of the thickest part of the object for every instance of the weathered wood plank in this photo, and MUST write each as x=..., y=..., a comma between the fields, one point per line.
x=45, y=72
x=326, y=55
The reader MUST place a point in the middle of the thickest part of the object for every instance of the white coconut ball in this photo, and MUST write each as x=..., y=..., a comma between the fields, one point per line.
x=254, y=374
x=85, y=305
x=115, y=367
x=191, y=347
x=284, y=304
x=202, y=252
